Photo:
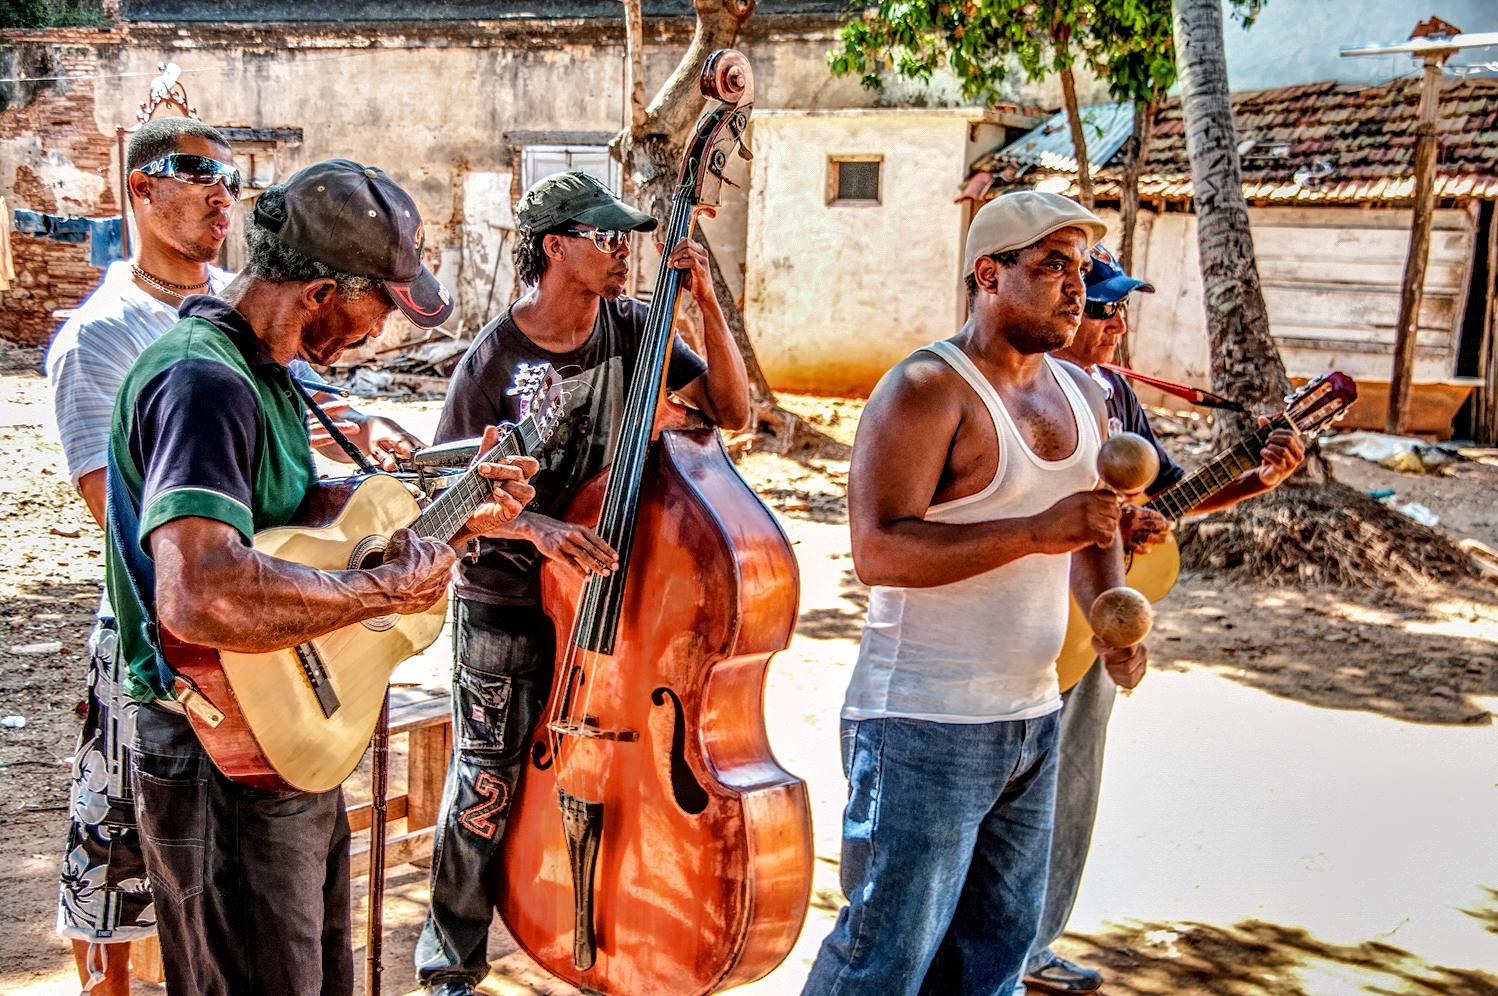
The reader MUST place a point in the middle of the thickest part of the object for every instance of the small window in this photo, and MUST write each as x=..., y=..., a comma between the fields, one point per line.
x=854, y=179
x=540, y=161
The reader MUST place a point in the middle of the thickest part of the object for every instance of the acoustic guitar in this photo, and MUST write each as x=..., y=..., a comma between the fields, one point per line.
x=300, y=718
x=1153, y=570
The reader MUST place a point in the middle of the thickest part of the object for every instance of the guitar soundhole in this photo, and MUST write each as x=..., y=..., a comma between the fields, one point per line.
x=368, y=554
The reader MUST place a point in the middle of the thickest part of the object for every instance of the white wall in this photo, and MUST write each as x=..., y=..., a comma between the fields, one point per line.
x=1331, y=280
x=837, y=294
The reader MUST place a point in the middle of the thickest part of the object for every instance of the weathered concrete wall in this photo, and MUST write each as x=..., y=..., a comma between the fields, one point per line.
x=430, y=102
x=837, y=293
x=53, y=160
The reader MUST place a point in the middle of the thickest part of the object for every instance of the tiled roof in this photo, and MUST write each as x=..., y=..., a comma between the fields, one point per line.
x=1339, y=142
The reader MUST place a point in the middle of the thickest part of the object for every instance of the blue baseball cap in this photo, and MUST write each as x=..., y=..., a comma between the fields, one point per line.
x=1107, y=282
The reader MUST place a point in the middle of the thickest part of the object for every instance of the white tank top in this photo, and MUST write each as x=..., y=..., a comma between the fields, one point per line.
x=983, y=649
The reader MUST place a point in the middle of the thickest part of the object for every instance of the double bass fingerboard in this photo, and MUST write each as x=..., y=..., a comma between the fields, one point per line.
x=603, y=597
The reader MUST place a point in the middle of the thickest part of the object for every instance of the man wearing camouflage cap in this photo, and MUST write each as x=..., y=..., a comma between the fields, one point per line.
x=574, y=254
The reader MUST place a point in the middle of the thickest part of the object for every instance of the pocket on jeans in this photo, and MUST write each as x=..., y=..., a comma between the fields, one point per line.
x=172, y=817
x=482, y=706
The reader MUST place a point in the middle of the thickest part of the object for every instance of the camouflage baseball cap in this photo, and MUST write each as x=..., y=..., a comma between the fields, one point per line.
x=577, y=197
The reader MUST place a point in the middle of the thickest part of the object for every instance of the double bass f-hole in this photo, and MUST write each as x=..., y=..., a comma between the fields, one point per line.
x=689, y=793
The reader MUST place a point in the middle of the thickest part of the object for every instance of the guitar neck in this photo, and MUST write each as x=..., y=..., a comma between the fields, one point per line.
x=446, y=515
x=1222, y=470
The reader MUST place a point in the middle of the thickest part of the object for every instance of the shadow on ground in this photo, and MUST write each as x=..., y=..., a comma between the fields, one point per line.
x=1419, y=657
x=1254, y=958
x=838, y=623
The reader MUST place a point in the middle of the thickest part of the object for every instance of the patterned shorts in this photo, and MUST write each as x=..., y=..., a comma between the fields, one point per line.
x=105, y=895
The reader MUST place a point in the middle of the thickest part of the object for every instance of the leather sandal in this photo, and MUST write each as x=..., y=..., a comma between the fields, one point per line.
x=1060, y=977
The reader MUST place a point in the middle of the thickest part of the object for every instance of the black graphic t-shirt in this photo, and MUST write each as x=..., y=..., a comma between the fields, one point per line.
x=596, y=382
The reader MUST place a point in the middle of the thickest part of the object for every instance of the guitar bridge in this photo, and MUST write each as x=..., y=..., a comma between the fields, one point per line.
x=317, y=677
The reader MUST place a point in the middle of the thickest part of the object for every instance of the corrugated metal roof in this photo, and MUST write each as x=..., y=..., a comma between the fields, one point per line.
x=1105, y=128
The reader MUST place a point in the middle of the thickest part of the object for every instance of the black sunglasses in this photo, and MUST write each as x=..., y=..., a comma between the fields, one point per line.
x=189, y=168
x=1102, y=310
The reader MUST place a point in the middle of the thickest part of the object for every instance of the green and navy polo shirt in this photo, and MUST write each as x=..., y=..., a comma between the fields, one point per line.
x=207, y=424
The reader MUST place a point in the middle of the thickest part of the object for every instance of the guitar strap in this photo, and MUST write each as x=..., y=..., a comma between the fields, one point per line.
x=1195, y=395
x=355, y=454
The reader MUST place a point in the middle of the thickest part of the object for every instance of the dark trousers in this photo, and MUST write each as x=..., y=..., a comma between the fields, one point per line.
x=251, y=887
x=503, y=657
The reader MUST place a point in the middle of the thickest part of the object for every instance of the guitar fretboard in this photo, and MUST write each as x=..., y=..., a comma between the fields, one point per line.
x=1222, y=470
x=447, y=513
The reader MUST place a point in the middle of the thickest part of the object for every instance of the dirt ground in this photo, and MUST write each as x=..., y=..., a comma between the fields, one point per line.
x=1427, y=657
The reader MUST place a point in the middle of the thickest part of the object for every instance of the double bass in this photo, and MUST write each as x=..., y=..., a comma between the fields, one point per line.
x=655, y=846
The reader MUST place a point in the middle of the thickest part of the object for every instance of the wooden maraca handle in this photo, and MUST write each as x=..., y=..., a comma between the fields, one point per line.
x=1121, y=617
x=1127, y=463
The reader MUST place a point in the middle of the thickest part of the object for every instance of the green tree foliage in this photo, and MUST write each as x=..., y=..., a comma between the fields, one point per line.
x=1126, y=43
x=50, y=13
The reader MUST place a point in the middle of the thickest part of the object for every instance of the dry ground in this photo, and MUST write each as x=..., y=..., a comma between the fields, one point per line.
x=1426, y=657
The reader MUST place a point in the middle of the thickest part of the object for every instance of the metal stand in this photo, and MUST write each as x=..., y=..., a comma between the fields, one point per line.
x=375, y=940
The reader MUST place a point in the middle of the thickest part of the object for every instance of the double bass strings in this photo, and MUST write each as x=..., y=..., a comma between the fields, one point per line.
x=621, y=498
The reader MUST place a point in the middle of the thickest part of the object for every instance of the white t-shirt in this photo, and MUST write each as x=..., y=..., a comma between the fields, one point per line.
x=91, y=354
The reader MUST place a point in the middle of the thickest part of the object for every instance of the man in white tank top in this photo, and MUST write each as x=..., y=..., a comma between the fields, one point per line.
x=975, y=512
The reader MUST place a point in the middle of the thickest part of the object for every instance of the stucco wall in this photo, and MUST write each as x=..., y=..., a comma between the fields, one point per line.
x=1331, y=281
x=836, y=294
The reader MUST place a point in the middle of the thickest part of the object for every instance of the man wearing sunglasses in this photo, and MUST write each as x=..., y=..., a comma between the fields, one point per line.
x=574, y=254
x=1089, y=703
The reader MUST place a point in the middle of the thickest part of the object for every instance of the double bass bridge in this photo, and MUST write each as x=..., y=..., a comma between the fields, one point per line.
x=589, y=729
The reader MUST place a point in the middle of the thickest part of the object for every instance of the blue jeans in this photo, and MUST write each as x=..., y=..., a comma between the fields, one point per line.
x=945, y=843
x=503, y=657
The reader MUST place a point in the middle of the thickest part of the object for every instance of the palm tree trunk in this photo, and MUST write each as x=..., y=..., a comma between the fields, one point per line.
x=1246, y=364
x=1078, y=139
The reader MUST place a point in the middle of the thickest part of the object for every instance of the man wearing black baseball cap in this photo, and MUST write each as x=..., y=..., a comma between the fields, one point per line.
x=574, y=253
x=210, y=445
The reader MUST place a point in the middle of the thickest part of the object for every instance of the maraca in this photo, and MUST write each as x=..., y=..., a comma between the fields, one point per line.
x=1121, y=617
x=1127, y=463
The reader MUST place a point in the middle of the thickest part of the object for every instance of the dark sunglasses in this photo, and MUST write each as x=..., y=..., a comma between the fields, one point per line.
x=1101, y=310
x=606, y=241
x=195, y=169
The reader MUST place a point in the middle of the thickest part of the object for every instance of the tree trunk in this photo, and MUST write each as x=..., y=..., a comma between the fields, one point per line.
x=651, y=151
x=1078, y=139
x=1246, y=365
x=1128, y=200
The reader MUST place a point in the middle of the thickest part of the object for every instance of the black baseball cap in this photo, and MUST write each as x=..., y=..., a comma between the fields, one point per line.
x=356, y=219
x=577, y=197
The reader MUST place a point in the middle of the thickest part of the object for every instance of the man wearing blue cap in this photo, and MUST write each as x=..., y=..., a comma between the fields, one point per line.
x=1089, y=703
